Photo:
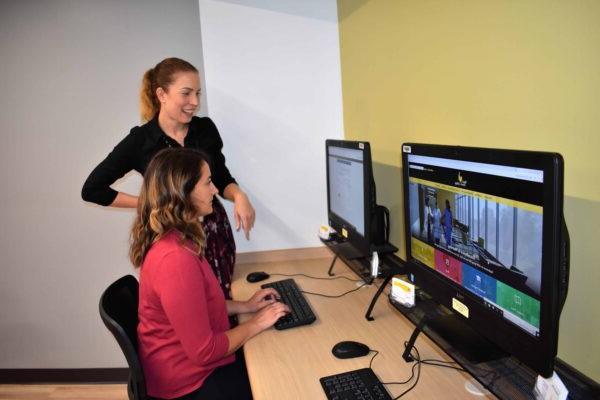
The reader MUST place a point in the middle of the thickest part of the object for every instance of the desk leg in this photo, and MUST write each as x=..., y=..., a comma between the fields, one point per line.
x=383, y=285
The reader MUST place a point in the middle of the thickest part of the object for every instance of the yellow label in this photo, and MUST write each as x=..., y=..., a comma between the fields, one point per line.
x=460, y=307
x=401, y=285
x=344, y=233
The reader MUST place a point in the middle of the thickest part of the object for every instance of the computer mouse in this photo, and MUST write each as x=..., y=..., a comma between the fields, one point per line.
x=350, y=349
x=257, y=276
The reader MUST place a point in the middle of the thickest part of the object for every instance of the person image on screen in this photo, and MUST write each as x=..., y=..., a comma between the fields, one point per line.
x=427, y=216
x=186, y=346
x=447, y=223
x=169, y=99
x=437, y=224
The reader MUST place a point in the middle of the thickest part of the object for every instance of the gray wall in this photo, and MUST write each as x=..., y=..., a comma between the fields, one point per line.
x=69, y=76
x=70, y=73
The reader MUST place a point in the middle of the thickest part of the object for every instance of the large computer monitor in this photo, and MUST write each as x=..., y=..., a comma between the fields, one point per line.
x=350, y=195
x=485, y=237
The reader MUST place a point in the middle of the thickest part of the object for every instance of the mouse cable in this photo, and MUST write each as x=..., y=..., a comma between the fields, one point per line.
x=417, y=365
x=337, y=295
x=372, y=358
x=321, y=278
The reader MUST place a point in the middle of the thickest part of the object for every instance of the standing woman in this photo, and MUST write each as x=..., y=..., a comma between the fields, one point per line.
x=187, y=348
x=169, y=98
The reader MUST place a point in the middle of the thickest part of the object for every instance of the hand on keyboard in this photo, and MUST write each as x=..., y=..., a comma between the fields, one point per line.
x=301, y=313
x=270, y=314
x=261, y=299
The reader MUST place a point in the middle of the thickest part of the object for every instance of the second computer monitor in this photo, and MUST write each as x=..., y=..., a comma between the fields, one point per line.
x=350, y=194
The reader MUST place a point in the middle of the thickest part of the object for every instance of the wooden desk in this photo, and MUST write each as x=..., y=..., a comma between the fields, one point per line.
x=288, y=364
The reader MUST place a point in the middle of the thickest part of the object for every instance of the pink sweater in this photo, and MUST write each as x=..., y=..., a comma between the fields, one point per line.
x=183, y=318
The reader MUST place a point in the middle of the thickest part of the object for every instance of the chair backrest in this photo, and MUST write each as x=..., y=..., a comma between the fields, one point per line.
x=119, y=312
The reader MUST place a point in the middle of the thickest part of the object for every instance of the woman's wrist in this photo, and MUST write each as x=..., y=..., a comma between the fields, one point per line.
x=248, y=307
x=239, y=195
x=244, y=307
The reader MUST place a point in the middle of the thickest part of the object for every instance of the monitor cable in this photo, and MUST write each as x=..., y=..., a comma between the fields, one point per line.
x=327, y=279
x=337, y=295
x=318, y=277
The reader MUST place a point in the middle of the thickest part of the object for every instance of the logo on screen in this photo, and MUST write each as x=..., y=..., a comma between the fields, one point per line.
x=462, y=182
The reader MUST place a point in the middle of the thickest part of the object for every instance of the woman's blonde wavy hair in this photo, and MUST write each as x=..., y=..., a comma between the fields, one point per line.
x=165, y=201
x=162, y=75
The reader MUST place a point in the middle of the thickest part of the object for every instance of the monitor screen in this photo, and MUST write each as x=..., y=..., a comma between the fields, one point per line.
x=350, y=194
x=483, y=232
x=346, y=185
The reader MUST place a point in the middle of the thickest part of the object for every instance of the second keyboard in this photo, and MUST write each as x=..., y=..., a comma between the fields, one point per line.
x=301, y=313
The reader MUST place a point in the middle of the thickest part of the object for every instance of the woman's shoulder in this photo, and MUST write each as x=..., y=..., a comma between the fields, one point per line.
x=145, y=131
x=204, y=125
x=171, y=249
x=137, y=136
x=205, y=132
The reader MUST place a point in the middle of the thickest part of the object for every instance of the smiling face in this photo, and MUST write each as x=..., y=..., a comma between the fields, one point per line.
x=180, y=101
x=204, y=192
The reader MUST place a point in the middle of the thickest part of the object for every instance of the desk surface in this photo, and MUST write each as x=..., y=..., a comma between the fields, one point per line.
x=288, y=364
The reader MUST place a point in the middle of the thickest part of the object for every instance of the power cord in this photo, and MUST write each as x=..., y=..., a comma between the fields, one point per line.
x=318, y=277
x=335, y=296
x=417, y=366
x=326, y=279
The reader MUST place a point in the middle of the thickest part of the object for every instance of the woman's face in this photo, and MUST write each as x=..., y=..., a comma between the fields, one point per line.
x=180, y=101
x=204, y=192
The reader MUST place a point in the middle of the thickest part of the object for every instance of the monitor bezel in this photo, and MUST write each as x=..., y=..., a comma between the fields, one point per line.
x=538, y=353
x=360, y=242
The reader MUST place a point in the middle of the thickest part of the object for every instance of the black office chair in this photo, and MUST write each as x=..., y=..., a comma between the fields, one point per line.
x=119, y=312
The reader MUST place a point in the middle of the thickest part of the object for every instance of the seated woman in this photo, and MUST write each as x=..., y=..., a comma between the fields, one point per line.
x=186, y=345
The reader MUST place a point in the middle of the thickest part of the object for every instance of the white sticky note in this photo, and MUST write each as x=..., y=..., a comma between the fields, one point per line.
x=403, y=292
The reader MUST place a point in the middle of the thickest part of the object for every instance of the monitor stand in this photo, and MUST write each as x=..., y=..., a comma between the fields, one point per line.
x=356, y=260
x=458, y=334
x=346, y=250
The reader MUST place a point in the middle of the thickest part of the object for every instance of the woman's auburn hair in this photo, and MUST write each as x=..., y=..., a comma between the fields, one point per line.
x=162, y=75
x=165, y=202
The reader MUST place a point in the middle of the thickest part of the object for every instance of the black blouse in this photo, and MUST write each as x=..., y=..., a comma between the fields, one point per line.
x=136, y=150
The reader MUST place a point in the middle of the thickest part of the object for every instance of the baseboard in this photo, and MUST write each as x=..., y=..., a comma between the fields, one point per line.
x=76, y=375
x=306, y=253
x=580, y=386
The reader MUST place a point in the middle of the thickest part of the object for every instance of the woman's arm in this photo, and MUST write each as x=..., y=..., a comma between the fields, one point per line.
x=179, y=283
x=263, y=320
x=97, y=187
x=258, y=301
x=243, y=211
x=213, y=144
x=124, y=200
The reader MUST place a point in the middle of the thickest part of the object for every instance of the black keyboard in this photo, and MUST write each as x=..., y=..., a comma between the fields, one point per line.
x=301, y=313
x=361, y=384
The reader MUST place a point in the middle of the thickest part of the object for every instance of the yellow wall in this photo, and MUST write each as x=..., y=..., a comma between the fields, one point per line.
x=510, y=74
